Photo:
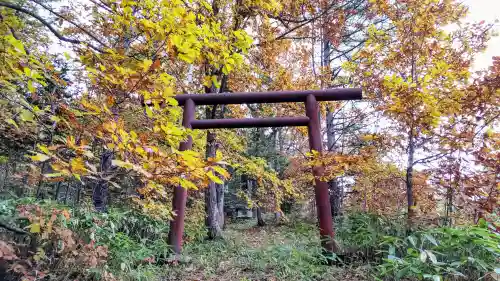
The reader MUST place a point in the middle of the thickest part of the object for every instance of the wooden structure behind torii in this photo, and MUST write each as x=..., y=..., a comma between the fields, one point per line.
x=311, y=120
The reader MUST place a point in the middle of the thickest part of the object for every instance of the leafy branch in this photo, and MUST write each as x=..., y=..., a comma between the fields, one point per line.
x=49, y=26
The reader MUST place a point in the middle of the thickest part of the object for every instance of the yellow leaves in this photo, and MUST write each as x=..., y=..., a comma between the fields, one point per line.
x=214, y=81
x=206, y=5
x=489, y=132
x=130, y=166
x=146, y=64
x=214, y=178
x=147, y=24
x=244, y=41
x=221, y=171
x=15, y=43
x=187, y=184
x=367, y=137
x=207, y=81
x=91, y=107
x=39, y=157
x=122, y=164
x=187, y=46
x=43, y=148
x=77, y=165
x=31, y=88
x=70, y=141
x=109, y=126
x=110, y=114
x=35, y=228
x=149, y=112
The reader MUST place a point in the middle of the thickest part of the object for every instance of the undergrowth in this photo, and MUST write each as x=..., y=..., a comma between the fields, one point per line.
x=124, y=244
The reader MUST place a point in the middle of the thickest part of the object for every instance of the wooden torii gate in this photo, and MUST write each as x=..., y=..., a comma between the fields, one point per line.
x=311, y=120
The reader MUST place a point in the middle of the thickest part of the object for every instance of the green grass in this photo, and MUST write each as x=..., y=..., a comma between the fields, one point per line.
x=287, y=252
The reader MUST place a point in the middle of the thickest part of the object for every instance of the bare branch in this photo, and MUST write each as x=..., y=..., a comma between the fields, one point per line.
x=50, y=27
x=70, y=21
x=13, y=229
x=430, y=158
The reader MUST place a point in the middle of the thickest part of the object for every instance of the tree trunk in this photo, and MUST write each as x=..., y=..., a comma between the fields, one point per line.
x=78, y=195
x=39, y=188
x=66, y=194
x=260, y=219
x=336, y=195
x=58, y=189
x=220, y=204
x=100, y=190
x=212, y=222
x=449, y=204
x=409, y=180
x=277, y=216
x=336, y=190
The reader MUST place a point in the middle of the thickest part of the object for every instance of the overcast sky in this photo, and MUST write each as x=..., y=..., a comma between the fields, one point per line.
x=488, y=10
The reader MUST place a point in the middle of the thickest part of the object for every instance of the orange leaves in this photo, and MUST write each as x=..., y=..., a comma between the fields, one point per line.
x=52, y=242
x=156, y=64
x=7, y=252
x=148, y=65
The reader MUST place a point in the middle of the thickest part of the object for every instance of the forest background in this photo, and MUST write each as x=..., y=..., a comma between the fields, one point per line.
x=90, y=136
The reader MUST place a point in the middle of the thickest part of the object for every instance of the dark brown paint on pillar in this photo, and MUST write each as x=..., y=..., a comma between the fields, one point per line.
x=180, y=193
x=321, y=189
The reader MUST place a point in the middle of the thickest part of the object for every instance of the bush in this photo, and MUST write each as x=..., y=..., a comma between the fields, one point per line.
x=461, y=253
x=81, y=242
x=48, y=247
x=361, y=234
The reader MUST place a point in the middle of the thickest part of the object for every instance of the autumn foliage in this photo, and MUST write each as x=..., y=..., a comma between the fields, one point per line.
x=88, y=119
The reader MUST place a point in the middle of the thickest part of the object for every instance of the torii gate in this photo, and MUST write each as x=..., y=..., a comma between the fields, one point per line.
x=311, y=120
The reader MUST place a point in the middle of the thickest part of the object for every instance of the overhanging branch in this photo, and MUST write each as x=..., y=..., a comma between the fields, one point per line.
x=49, y=26
x=70, y=21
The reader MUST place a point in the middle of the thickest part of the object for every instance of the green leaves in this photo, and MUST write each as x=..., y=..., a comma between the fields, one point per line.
x=433, y=277
x=431, y=256
x=419, y=254
x=423, y=256
x=430, y=239
x=12, y=122
x=16, y=43
x=26, y=115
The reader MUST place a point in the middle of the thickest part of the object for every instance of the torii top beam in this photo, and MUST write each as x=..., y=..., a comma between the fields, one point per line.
x=271, y=97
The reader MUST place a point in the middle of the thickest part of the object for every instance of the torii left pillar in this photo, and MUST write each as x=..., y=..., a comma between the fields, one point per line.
x=180, y=193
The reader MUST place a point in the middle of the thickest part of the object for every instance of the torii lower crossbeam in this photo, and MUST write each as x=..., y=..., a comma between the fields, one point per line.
x=311, y=120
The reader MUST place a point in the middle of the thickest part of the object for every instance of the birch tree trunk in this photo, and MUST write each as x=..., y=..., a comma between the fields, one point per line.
x=213, y=218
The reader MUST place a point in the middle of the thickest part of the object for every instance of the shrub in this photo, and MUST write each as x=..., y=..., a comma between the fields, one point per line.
x=48, y=247
x=462, y=253
x=361, y=234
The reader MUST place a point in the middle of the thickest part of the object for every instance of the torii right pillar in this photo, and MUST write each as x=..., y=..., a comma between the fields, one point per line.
x=323, y=206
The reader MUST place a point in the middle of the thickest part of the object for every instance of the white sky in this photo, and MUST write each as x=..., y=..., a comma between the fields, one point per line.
x=489, y=11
